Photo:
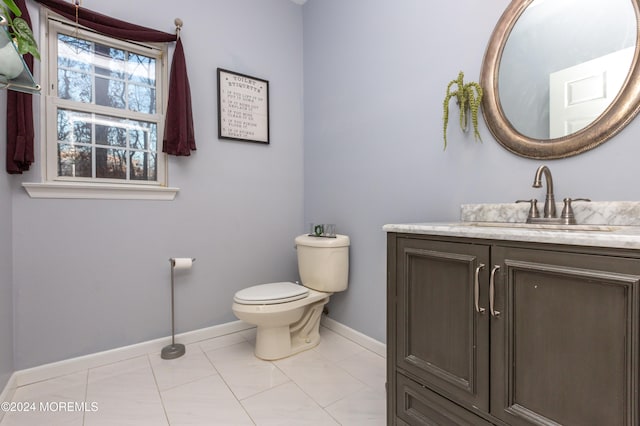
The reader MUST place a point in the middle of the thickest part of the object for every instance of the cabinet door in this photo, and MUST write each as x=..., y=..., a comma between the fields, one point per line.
x=441, y=339
x=564, y=349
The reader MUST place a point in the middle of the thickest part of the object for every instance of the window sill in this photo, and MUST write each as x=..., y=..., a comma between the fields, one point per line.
x=99, y=191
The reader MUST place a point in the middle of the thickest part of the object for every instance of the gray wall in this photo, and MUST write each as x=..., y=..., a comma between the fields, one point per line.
x=6, y=255
x=91, y=275
x=375, y=78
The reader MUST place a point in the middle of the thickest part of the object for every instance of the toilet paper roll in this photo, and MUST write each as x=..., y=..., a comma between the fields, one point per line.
x=182, y=263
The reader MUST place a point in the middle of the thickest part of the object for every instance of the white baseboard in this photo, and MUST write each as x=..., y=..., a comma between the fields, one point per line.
x=7, y=393
x=72, y=365
x=68, y=366
x=362, y=339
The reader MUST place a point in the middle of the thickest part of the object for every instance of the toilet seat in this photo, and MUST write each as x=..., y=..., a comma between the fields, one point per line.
x=271, y=294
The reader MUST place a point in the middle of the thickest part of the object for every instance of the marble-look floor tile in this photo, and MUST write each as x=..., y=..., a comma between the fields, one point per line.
x=118, y=369
x=220, y=382
x=334, y=347
x=58, y=401
x=69, y=387
x=368, y=367
x=320, y=378
x=126, y=394
x=41, y=418
x=286, y=405
x=366, y=407
x=191, y=366
x=239, y=350
x=207, y=401
x=243, y=372
x=249, y=335
x=220, y=342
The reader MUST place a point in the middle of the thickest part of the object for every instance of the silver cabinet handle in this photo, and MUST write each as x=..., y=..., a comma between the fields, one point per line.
x=476, y=289
x=492, y=291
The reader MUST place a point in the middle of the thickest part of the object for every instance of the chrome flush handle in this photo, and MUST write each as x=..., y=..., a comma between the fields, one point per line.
x=492, y=291
x=476, y=289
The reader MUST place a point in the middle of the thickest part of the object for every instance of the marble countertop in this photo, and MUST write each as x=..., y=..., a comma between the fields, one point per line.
x=601, y=224
x=594, y=236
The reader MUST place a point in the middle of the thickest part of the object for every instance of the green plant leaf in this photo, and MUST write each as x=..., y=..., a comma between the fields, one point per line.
x=445, y=115
x=26, y=42
x=13, y=7
x=469, y=98
x=475, y=100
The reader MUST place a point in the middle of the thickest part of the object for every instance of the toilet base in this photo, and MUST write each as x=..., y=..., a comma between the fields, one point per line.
x=280, y=342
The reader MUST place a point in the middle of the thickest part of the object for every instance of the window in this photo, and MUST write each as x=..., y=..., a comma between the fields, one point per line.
x=104, y=112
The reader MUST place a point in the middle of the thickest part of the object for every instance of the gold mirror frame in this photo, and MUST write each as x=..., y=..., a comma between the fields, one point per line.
x=621, y=111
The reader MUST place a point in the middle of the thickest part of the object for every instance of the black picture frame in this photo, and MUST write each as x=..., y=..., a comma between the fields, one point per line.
x=243, y=107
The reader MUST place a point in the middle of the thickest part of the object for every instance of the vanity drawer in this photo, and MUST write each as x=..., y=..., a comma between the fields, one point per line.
x=417, y=405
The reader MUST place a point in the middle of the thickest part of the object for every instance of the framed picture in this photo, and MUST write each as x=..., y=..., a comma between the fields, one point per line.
x=243, y=107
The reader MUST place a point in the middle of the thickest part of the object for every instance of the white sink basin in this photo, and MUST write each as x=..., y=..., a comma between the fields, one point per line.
x=544, y=226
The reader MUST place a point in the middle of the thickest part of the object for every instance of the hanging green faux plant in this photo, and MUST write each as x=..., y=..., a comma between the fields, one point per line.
x=468, y=97
x=18, y=28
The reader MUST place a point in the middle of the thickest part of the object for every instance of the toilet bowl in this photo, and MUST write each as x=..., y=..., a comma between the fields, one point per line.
x=283, y=328
x=287, y=315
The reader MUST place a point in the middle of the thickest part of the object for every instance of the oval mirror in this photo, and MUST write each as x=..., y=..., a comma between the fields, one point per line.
x=561, y=76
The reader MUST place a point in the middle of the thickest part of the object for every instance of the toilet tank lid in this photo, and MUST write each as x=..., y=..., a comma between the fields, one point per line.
x=271, y=293
x=312, y=241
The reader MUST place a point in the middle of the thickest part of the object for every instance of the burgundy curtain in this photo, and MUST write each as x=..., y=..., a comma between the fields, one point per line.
x=179, y=136
x=178, y=126
x=20, y=120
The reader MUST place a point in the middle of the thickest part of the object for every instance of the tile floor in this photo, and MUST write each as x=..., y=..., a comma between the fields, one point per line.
x=218, y=382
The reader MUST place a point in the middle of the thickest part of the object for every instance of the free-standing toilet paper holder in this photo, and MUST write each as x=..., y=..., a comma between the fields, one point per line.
x=174, y=350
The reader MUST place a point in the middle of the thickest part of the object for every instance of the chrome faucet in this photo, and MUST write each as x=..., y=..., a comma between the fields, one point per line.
x=549, y=202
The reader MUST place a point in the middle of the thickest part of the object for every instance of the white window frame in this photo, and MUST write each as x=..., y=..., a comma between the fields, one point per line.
x=54, y=186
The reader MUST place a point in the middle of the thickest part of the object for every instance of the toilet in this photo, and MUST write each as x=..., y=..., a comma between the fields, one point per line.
x=286, y=314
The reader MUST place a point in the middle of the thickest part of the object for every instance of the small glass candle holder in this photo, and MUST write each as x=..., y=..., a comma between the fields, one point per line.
x=330, y=230
x=327, y=230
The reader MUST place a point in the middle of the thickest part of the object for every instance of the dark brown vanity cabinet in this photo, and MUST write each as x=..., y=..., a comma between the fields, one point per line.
x=495, y=332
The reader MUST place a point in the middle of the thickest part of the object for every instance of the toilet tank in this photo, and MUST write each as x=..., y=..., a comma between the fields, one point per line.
x=323, y=263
